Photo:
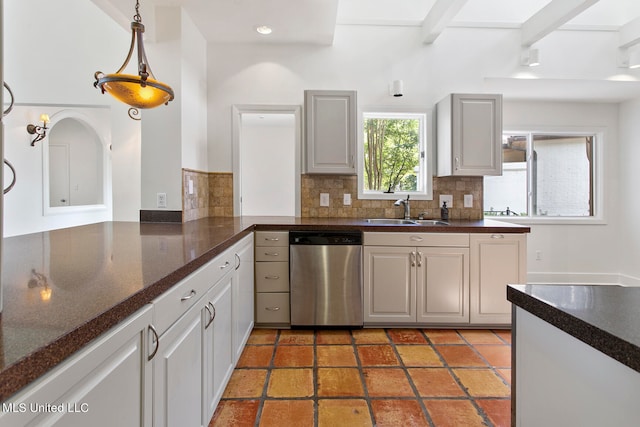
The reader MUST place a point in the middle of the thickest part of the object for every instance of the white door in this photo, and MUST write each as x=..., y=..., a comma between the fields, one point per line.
x=58, y=175
x=268, y=164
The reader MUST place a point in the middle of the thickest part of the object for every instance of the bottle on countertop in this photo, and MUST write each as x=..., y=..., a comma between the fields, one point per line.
x=444, y=212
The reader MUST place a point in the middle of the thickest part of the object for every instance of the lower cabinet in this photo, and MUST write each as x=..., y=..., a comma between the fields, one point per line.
x=109, y=383
x=219, y=353
x=416, y=285
x=496, y=261
x=243, y=294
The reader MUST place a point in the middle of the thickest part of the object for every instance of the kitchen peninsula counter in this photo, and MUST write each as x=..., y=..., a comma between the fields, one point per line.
x=64, y=288
x=576, y=353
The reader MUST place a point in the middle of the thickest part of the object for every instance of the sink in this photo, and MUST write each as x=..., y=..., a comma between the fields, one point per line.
x=390, y=221
x=430, y=222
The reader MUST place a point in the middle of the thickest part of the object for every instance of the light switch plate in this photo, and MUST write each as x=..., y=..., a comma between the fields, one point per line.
x=446, y=198
x=346, y=199
x=190, y=185
x=468, y=200
x=324, y=199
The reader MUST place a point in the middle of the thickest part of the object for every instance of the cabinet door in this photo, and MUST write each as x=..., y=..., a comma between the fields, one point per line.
x=477, y=134
x=243, y=292
x=178, y=369
x=219, y=352
x=496, y=260
x=330, y=119
x=443, y=285
x=389, y=285
x=106, y=384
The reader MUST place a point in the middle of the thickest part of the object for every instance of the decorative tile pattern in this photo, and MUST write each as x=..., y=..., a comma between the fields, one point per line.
x=337, y=185
x=370, y=377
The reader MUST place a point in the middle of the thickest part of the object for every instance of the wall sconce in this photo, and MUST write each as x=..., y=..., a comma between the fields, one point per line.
x=396, y=88
x=39, y=131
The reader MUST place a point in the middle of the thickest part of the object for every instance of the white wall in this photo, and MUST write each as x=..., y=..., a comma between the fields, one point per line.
x=50, y=58
x=629, y=205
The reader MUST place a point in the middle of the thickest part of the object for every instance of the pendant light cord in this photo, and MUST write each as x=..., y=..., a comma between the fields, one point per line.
x=137, y=16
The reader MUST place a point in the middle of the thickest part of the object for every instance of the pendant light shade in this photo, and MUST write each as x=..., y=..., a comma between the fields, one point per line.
x=138, y=91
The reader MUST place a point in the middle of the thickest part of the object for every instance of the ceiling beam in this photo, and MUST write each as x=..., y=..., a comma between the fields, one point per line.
x=551, y=17
x=629, y=34
x=438, y=18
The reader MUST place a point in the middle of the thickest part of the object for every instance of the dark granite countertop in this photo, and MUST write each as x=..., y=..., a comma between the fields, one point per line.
x=64, y=288
x=605, y=317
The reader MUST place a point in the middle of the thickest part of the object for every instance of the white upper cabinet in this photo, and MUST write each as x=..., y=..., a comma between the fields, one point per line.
x=330, y=121
x=469, y=135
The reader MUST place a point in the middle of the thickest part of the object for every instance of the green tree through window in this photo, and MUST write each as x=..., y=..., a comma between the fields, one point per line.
x=392, y=150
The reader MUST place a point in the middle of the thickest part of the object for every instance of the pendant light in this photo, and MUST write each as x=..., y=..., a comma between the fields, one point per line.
x=138, y=91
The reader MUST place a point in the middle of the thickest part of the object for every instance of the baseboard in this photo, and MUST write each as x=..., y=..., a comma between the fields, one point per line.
x=582, y=279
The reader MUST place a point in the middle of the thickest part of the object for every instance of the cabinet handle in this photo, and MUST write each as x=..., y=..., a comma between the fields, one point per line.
x=497, y=236
x=156, y=339
x=226, y=264
x=413, y=259
x=272, y=277
x=419, y=259
x=190, y=295
x=416, y=239
x=210, y=304
x=272, y=239
x=206, y=307
x=272, y=308
x=272, y=253
x=238, y=261
x=457, y=163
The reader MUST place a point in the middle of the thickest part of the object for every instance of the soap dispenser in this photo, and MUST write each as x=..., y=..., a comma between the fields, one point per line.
x=444, y=212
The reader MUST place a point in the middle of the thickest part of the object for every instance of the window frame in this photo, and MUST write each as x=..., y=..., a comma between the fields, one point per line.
x=597, y=166
x=427, y=134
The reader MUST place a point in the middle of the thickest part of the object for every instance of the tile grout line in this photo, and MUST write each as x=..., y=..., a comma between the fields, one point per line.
x=365, y=389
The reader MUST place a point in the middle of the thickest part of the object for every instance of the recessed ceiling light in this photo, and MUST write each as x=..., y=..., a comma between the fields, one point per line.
x=264, y=30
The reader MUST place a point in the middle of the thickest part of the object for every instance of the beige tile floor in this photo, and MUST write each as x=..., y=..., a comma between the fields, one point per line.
x=370, y=377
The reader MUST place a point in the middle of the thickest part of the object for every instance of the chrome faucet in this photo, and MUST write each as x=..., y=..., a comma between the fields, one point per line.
x=407, y=208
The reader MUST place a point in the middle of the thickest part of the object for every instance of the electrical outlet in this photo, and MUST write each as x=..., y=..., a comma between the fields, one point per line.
x=190, y=185
x=538, y=255
x=468, y=200
x=346, y=200
x=161, y=199
x=446, y=198
x=324, y=199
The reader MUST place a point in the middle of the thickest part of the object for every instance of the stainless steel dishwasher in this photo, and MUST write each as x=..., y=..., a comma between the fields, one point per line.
x=326, y=278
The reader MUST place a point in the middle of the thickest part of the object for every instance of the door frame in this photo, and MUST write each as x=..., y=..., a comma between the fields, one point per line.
x=236, y=129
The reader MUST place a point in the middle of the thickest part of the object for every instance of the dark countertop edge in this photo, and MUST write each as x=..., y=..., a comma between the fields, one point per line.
x=31, y=367
x=36, y=364
x=611, y=345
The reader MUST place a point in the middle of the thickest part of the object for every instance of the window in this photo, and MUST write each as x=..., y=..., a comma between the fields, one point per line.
x=393, y=156
x=544, y=175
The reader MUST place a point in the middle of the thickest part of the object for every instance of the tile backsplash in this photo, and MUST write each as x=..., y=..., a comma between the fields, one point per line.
x=338, y=185
x=213, y=196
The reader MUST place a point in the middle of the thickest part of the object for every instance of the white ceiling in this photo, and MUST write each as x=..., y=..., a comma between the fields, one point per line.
x=314, y=21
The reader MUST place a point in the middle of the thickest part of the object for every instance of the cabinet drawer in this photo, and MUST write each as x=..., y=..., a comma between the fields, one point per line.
x=417, y=239
x=169, y=306
x=280, y=253
x=272, y=307
x=272, y=277
x=272, y=238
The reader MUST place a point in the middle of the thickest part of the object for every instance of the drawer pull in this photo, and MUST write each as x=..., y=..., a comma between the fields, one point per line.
x=189, y=296
x=272, y=277
x=272, y=308
x=272, y=254
x=497, y=236
x=156, y=340
x=272, y=239
x=226, y=264
x=416, y=239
